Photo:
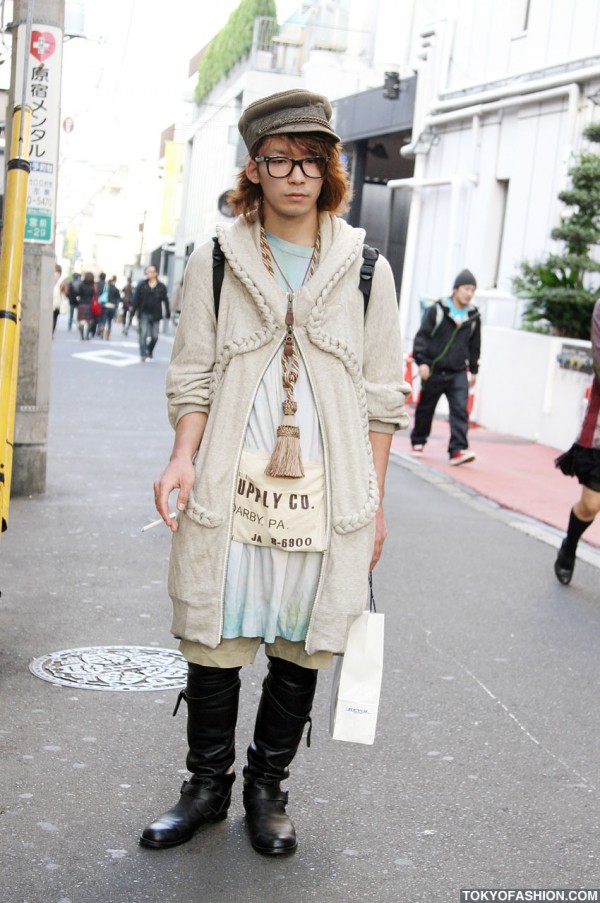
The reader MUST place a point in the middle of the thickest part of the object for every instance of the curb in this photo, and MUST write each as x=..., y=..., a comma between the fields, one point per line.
x=529, y=525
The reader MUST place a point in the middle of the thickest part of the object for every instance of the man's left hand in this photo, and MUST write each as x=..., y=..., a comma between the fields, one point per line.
x=380, y=536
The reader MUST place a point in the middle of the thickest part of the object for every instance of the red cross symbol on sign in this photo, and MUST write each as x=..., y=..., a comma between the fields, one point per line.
x=42, y=45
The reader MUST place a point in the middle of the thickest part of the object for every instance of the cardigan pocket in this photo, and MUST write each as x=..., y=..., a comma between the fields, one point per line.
x=201, y=515
x=350, y=523
x=363, y=516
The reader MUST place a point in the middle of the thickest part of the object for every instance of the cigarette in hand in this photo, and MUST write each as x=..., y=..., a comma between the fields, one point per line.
x=155, y=523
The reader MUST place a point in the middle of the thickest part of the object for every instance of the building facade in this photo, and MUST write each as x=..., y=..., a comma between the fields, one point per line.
x=462, y=168
x=330, y=47
x=504, y=93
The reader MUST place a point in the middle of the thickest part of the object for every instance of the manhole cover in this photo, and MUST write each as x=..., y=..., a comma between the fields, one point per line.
x=113, y=668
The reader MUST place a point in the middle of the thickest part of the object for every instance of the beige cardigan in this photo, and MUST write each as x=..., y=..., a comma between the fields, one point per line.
x=355, y=367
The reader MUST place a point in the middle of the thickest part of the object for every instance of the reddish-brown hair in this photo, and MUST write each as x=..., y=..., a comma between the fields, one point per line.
x=246, y=198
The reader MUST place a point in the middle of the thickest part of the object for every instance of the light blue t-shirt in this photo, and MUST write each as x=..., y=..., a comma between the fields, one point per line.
x=458, y=314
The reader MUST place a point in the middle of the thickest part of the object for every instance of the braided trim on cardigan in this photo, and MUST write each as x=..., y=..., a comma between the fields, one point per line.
x=230, y=350
x=350, y=522
x=240, y=274
x=254, y=340
x=201, y=515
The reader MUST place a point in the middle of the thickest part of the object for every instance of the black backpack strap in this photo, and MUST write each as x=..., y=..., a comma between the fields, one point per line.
x=367, y=269
x=218, y=259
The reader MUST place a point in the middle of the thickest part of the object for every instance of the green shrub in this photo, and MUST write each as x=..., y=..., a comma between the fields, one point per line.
x=559, y=291
x=231, y=44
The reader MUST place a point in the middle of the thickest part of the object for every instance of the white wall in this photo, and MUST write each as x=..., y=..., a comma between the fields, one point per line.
x=512, y=157
x=491, y=42
x=522, y=391
x=494, y=228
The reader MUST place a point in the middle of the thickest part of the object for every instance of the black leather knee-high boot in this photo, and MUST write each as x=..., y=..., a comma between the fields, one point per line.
x=284, y=709
x=212, y=696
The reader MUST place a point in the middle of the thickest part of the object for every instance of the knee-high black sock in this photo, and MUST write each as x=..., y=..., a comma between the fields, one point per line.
x=574, y=532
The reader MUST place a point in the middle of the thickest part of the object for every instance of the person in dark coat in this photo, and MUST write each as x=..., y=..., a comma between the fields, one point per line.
x=72, y=290
x=97, y=316
x=85, y=294
x=150, y=303
x=446, y=349
x=126, y=298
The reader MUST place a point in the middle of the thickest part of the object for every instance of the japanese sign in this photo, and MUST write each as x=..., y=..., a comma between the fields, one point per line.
x=41, y=65
x=576, y=357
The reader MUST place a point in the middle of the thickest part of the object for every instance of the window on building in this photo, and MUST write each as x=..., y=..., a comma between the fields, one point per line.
x=501, y=218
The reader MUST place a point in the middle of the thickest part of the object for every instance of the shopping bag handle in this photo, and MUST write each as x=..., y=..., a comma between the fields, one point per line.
x=372, y=606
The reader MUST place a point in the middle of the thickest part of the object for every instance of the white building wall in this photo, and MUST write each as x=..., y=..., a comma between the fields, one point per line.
x=512, y=152
x=522, y=391
x=494, y=227
x=210, y=159
x=492, y=43
x=502, y=152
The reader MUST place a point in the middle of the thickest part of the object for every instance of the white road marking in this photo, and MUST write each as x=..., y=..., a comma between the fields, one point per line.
x=114, y=358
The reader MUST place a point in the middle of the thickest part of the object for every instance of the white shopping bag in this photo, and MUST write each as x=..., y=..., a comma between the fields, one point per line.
x=357, y=681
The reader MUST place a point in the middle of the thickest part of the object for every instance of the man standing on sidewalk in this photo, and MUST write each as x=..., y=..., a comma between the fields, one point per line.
x=296, y=391
x=446, y=346
x=148, y=302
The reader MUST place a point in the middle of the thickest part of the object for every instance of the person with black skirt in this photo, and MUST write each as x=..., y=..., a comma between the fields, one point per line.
x=582, y=460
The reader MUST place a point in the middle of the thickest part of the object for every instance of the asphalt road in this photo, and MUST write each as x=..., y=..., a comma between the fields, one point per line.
x=486, y=767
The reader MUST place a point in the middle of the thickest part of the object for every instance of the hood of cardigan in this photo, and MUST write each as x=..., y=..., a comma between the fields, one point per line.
x=340, y=246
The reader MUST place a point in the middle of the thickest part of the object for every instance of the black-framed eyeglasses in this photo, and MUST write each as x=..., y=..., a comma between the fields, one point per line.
x=281, y=167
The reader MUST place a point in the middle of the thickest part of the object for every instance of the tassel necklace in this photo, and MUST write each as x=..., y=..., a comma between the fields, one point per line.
x=286, y=460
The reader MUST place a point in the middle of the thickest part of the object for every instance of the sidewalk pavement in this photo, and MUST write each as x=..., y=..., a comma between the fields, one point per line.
x=455, y=786
x=515, y=473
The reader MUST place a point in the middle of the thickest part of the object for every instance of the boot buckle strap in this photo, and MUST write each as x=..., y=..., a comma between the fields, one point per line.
x=182, y=695
x=306, y=719
x=265, y=793
x=309, y=732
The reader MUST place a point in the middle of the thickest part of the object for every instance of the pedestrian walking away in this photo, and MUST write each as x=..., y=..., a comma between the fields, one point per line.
x=582, y=460
x=126, y=297
x=284, y=397
x=109, y=300
x=447, y=349
x=150, y=304
x=97, y=310
x=86, y=292
x=73, y=296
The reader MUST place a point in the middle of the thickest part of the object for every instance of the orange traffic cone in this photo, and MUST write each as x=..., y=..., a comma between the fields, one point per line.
x=470, y=404
x=408, y=377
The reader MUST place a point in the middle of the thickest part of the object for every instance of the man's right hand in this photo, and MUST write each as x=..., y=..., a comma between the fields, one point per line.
x=424, y=372
x=179, y=474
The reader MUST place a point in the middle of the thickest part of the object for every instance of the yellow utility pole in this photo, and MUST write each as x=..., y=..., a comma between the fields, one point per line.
x=36, y=71
x=11, y=268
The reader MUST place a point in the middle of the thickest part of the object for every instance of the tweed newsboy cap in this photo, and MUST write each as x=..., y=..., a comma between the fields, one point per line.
x=285, y=113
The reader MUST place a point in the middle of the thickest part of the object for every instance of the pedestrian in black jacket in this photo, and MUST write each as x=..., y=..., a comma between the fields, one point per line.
x=72, y=290
x=446, y=347
x=150, y=303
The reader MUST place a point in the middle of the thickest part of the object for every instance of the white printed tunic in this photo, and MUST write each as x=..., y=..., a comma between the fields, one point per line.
x=270, y=592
